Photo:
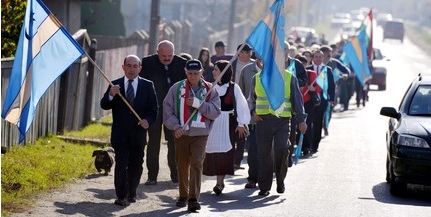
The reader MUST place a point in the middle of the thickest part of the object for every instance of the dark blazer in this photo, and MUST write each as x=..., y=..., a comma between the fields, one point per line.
x=125, y=126
x=331, y=88
x=301, y=74
x=155, y=71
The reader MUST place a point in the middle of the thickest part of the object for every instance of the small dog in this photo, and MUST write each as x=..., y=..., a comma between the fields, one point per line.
x=104, y=159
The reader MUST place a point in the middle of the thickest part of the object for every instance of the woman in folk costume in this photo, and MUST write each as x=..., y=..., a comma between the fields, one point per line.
x=235, y=115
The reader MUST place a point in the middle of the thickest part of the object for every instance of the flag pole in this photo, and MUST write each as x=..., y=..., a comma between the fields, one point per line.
x=215, y=83
x=218, y=79
x=111, y=84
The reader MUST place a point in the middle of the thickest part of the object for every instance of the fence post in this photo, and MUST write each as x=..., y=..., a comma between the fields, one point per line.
x=89, y=86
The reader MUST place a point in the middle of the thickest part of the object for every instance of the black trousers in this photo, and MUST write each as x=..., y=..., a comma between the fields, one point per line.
x=308, y=137
x=153, y=149
x=272, y=136
x=318, y=115
x=128, y=169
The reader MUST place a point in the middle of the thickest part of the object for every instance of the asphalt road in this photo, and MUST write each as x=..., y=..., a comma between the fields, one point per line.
x=345, y=178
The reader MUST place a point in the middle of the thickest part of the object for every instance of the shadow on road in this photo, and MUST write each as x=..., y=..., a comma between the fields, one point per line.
x=416, y=195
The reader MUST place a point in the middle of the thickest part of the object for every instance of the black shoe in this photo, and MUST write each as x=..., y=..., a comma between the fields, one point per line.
x=238, y=167
x=174, y=179
x=280, y=189
x=290, y=162
x=250, y=184
x=218, y=189
x=182, y=202
x=131, y=199
x=263, y=193
x=193, y=205
x=121, y=202
x=326, y=130
x=151, y=182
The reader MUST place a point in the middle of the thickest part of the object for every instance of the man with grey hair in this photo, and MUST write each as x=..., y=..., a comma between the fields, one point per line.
x=165, y=69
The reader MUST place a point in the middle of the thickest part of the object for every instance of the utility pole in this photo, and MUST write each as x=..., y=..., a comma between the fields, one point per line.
x=231, y=22
x=154, y=26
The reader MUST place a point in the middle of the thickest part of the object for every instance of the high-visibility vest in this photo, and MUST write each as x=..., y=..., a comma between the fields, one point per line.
x=262, y=104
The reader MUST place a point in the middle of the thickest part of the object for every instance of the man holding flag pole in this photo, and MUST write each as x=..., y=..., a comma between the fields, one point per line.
x=274, y=96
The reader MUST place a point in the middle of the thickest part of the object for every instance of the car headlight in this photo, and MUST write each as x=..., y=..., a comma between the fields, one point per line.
x=412, y=141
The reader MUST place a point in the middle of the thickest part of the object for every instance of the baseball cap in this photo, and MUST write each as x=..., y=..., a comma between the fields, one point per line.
x=193, y=65
x=220, y=44
x=245, y=48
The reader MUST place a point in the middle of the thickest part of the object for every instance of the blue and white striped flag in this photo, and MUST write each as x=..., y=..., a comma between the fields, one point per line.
x=267, y=40
x=45, y=50
x=357, y=55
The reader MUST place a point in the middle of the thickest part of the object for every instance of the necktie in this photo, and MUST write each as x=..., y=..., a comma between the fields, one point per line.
x=130, y=92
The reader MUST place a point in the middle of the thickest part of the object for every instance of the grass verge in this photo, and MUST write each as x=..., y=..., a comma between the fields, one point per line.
x=29, y=171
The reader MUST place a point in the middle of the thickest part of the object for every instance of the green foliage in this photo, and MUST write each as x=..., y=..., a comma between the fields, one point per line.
x=95, y=131
x=49, y=163
x=12, y=16
x=103, y=17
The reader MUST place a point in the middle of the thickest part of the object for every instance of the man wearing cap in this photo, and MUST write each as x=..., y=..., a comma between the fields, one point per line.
x=244, y=58
x=164, y=69
x=189, y=110
x=220, y=49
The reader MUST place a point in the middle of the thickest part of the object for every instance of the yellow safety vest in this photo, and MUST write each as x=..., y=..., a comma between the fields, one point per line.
x=262, y=103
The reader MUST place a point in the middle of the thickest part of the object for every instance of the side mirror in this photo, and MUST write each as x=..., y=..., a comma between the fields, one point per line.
x=389, y=112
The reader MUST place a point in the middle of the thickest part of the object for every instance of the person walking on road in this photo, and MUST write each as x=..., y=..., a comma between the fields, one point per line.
x=186, y=100
x=128, y=135
x=245, y=81
x=232, y=123
x=272, y=130
x=164, y=69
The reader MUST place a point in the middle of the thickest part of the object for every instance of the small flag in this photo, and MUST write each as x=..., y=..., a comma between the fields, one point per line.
x=45, y=50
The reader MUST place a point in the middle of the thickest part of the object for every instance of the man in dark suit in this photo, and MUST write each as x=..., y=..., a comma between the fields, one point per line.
x=128, y=133
x=164, y=69
x=327, y=96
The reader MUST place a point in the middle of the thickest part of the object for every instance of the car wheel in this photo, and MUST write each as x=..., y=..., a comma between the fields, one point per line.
x=382, y=87
x=396, y=188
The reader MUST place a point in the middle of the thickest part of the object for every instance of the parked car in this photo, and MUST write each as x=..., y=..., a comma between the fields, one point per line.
x=305, y=35
x=409, y=137
x=379, y=71
x=382, y=18
x=340, y=19
x=394, y=29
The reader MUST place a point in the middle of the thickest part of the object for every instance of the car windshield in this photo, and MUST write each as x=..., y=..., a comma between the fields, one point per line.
x=421, y=103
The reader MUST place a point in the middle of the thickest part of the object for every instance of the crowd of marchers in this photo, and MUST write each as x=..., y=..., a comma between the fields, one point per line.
x=212, y=110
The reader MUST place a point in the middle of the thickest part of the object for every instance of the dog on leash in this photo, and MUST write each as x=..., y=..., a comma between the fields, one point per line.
x=104, y=159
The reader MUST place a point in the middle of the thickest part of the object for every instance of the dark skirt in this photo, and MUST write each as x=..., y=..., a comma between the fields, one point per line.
x=222, y=163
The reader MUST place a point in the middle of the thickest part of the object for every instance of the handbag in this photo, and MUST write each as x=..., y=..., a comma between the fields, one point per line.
x=315, y=98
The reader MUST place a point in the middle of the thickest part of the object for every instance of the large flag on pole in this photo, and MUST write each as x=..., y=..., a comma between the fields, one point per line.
x=45, y=50
x=267, y=40
x=356, y=51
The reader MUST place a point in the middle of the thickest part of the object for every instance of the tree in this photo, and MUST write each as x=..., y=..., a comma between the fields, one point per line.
x=103, y=17
x=12, y=16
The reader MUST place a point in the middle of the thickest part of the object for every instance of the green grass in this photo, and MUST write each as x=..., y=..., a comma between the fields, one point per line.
x=31, y=170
